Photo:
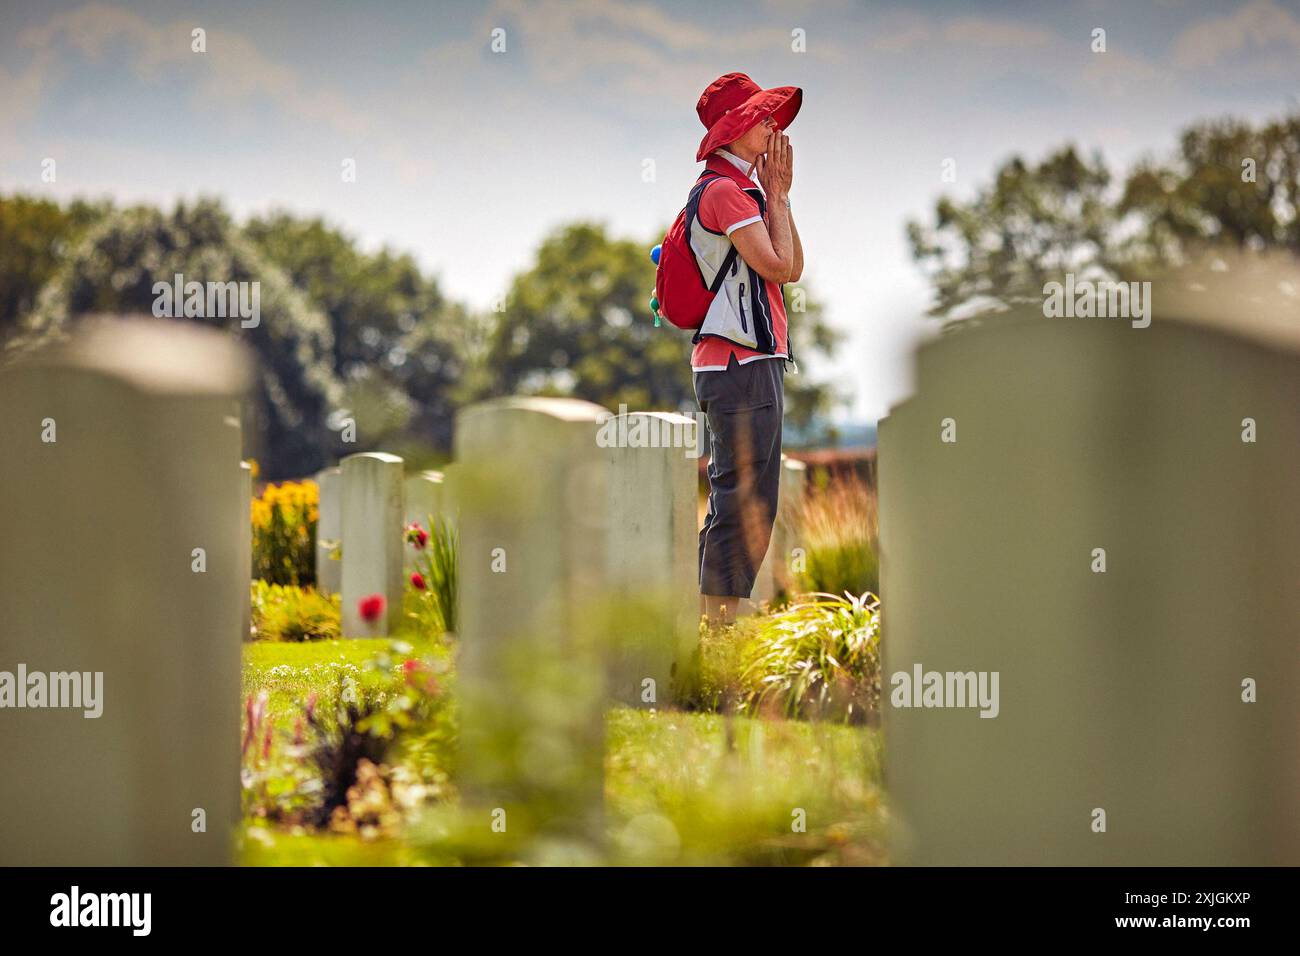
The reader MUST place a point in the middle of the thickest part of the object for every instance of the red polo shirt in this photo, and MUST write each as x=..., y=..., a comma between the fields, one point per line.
x=725, y=208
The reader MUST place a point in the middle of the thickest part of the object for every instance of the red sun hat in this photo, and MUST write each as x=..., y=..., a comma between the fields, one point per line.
x=734, y=104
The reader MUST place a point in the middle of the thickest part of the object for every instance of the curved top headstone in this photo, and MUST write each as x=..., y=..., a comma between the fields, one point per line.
x=1253, y=296
x=568, y=409
x=673, y=418
x=381, y=456
x=158, y=356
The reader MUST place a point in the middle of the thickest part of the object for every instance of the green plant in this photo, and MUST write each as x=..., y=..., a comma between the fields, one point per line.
x=432, y=588
x=712, y=680
x=284, y=532
x=819, y=659
x=712, y=789
x=284, y=612
x=680, y=788
x=838, y=535
x=349, y=735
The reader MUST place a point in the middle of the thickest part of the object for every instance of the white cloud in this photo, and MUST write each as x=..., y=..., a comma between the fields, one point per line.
x=19, y=104
x=996, y=34
x=1260, y=26
x=637, y=48
x=232, y=71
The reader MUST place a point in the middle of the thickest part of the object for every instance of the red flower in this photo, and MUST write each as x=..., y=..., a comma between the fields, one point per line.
x=371, y=608
x=417, y=581
x=420, y=676
x=416, y=535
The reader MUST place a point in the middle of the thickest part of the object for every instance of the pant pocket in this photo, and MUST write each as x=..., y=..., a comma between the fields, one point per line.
x=749, y=434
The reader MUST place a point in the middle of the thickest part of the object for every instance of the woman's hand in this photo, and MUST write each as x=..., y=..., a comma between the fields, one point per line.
x=776, y=166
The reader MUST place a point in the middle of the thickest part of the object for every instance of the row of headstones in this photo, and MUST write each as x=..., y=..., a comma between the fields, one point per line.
x=122, y=586
x=578, y=584
x=368, y=500
x=633, y=508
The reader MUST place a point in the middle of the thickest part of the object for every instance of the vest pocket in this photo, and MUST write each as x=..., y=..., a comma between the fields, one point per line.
x=730, y=315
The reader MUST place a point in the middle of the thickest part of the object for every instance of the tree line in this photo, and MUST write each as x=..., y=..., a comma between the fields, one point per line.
x=350, y=336
x=1230, y=186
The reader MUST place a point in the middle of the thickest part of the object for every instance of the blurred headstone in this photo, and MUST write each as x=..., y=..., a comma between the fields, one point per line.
x=329, y=530
x=774, y=575
x=531, y=488
x=246, y=546
x=1072, y=503
x=372, y=542
x=120, y=561
x=651, y=553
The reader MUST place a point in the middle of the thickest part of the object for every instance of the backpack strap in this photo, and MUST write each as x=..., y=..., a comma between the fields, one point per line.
x=721, y=277
x=729, y=260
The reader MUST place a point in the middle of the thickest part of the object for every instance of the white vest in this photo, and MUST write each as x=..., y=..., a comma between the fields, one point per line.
x=740, y=312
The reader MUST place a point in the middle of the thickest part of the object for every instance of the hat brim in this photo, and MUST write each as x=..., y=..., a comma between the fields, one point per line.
x=782, y=103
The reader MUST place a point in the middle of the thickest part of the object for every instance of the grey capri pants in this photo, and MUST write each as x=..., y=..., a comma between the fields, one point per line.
x=744, y=406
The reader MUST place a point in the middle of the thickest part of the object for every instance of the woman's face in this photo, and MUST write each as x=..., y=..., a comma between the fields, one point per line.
x=754, y=142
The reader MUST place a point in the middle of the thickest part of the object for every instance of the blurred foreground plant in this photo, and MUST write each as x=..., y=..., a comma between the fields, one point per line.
x=290, y=613
x=365, y=749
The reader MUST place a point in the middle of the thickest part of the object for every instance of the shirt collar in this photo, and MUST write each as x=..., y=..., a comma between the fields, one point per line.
x=729, y=164
x=734, y=160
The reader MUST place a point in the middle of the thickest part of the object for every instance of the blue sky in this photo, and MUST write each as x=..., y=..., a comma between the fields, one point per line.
x=466, y=157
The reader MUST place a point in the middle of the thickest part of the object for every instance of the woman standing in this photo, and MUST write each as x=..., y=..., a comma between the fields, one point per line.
x=742, y=347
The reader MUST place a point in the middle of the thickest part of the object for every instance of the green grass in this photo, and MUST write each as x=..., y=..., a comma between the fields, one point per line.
x=259, y=845
x=685, y=788
x=680, y=788
x=290, y=672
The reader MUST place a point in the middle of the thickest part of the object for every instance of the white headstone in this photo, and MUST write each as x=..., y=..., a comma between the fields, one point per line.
x=329, y=530
x=425, y=501
x=121, y=556
x=372, y=541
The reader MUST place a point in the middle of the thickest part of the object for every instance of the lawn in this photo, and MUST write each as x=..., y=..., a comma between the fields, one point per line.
x=680, y=788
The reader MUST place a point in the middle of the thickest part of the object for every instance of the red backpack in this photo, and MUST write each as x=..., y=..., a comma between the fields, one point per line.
x=683, y=294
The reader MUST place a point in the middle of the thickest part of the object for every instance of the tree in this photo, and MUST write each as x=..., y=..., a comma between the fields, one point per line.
x=1230, y=185
x=113, y=268
x=400, y=348
x=578, y=323
x=35, y=234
